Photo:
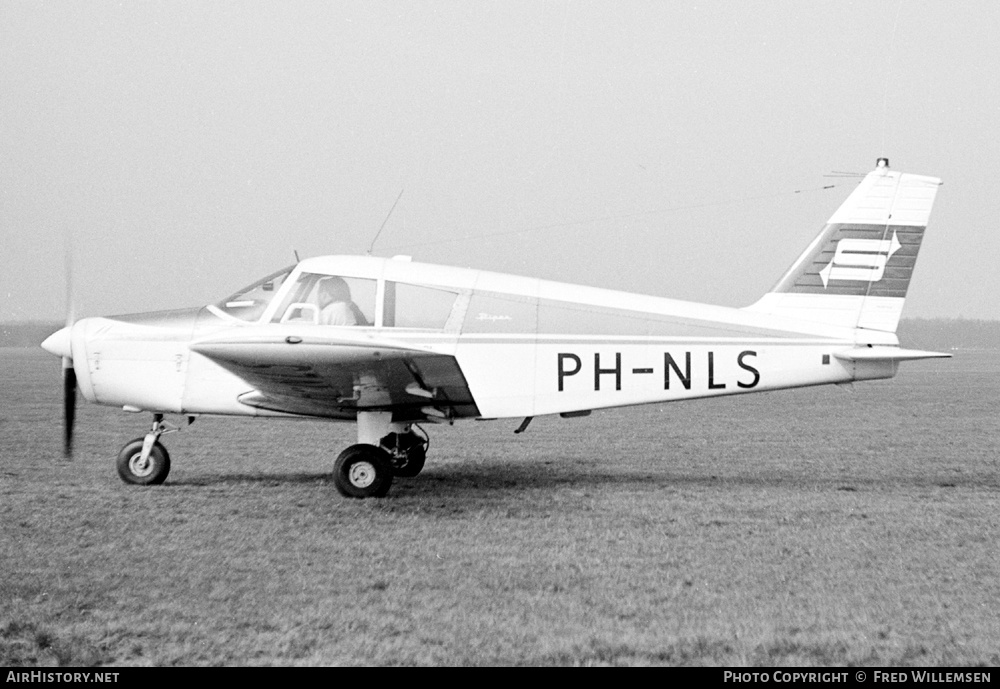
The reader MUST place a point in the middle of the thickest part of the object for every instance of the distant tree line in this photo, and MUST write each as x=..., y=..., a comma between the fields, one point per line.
x=26, y=333
x=948, y=333
x=914, y=333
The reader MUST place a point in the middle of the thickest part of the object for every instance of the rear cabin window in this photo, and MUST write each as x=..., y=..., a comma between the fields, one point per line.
x=415, y=306
x=329, y=300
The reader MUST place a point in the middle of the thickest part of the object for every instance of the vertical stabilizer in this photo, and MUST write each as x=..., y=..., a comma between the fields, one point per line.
x=856, y=272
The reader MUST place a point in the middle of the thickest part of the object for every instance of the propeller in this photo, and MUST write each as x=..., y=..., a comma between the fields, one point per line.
x=69, y=373
x=60, y=343
x=69, y=406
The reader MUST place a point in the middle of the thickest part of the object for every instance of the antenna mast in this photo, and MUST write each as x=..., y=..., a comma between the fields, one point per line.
x=386, y=220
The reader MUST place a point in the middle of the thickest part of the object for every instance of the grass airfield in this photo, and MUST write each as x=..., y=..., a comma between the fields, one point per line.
x=808, y=527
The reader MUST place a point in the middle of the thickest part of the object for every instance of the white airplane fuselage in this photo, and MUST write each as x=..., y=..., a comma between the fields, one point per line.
x=526, y=347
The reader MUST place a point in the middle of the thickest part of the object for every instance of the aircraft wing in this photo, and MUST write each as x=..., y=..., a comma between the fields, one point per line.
x=337, y=375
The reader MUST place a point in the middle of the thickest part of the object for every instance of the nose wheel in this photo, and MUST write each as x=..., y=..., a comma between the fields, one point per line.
x=143, y=468
x=144, y=461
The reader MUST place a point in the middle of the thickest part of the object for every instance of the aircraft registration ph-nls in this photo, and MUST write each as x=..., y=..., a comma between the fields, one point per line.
x=391, y=343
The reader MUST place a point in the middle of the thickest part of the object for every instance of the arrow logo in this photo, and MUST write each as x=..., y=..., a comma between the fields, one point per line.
x=860, y=259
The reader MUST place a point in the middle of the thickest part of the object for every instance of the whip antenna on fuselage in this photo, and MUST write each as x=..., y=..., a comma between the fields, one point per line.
x=888, y=74
x=382, y=227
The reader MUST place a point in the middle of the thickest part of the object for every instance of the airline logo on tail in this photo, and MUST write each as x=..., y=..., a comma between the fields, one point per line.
x=856, y=273
x=860, y=259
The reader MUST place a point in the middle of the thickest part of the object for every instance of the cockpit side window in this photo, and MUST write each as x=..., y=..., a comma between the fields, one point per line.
x=250, y=302
x=329, y=300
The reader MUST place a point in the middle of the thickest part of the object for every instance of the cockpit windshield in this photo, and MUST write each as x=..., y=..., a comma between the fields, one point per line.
x=249, y=303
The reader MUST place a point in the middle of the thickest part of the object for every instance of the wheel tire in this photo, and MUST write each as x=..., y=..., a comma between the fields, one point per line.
x=155, y=470
x=363, y=471
x=407, y=453
x=413, y=464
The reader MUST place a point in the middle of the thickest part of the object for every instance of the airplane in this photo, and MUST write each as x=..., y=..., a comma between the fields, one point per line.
x=390, y=343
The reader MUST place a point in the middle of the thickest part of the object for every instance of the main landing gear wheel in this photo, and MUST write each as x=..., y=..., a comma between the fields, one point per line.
x=363, y=471
x=407, y=452
x=151, y=472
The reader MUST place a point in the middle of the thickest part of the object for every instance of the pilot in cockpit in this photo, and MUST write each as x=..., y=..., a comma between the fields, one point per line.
x=336, y=307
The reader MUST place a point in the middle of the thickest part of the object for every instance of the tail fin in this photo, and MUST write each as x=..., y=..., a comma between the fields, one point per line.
x=856, y=272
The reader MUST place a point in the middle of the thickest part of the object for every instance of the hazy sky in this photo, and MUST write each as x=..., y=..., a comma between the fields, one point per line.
x=190, y=147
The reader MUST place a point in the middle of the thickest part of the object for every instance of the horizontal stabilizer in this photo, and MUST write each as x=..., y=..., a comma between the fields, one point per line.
x=888, y=354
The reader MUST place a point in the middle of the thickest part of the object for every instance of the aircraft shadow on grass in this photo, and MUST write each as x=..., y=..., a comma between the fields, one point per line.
x=548, y=475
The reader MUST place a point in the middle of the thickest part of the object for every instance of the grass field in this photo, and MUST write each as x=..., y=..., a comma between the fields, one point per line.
x=812, y=527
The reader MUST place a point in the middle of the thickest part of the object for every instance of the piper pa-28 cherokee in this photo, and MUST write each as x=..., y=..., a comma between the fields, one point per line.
x=390, y=343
